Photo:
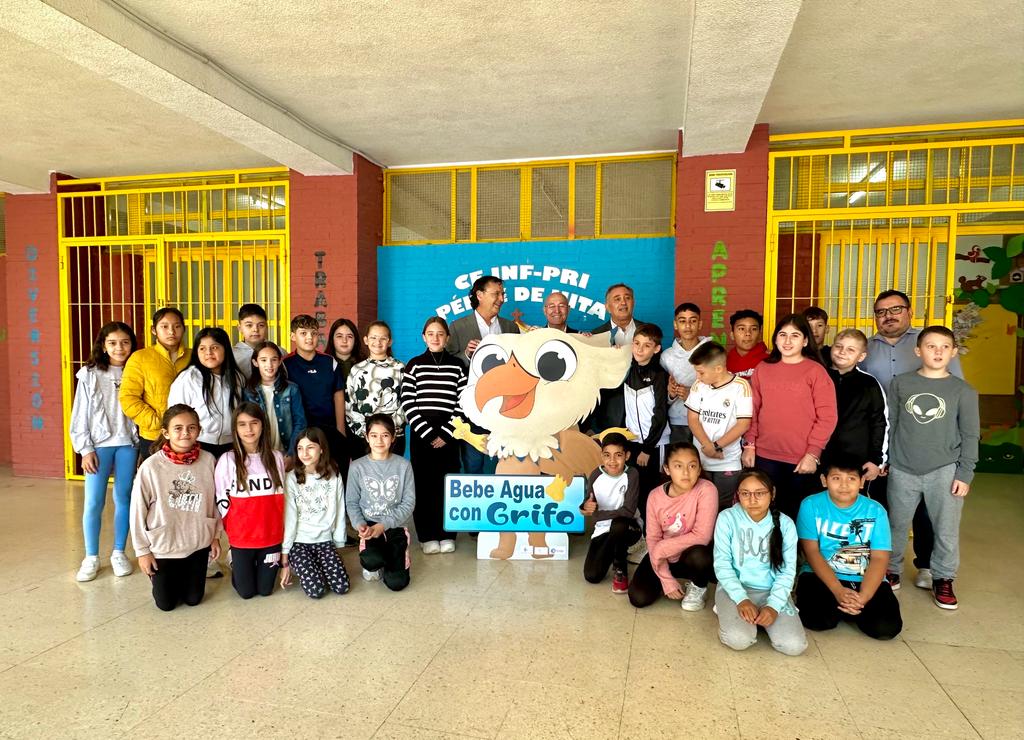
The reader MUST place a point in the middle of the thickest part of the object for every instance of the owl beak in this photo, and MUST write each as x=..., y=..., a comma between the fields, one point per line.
x=516, y=387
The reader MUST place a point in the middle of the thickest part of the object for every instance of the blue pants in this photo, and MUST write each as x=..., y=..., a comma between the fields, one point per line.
x=475, y=462
x=121, y=461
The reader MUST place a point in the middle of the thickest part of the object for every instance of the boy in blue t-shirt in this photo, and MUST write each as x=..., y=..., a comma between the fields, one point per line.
x=321, y=386
x=846, y=542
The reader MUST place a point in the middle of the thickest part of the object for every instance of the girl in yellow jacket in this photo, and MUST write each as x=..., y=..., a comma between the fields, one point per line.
x=148, y=375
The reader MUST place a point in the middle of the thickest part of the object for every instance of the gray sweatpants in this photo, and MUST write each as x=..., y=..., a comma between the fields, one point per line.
x=786, y=632
x=944, y=509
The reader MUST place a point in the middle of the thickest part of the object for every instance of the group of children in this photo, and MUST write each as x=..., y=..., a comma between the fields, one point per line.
x=764, y=434
x=720, y=479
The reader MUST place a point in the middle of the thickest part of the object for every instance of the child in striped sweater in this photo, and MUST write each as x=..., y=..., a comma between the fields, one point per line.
x=431, y=386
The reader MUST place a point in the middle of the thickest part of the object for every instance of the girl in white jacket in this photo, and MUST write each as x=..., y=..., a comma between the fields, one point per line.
x=212, y=385
x=108, y=443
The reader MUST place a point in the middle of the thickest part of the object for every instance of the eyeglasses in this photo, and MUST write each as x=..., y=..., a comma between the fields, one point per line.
x=891, y=311
x=760, y=493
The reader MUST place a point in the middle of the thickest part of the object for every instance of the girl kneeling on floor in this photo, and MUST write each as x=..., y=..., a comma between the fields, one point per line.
x=174, y=522
x=314, y=519
x=250, y=497
x=755, y=562
x=380, y=498
x=680, y=521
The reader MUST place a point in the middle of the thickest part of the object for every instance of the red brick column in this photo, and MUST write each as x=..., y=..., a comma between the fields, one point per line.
x=336, y=227
x=32, y=299
x=720, y=255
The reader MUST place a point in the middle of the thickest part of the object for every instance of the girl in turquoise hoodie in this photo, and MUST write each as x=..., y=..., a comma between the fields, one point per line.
x=755, y=562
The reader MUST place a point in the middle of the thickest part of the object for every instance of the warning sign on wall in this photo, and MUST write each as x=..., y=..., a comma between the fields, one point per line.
x=720, y=190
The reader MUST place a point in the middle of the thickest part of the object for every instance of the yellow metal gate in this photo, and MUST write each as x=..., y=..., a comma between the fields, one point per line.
x=202, y=242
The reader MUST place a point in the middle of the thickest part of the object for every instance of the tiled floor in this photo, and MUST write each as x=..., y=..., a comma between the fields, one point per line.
x=482, y=649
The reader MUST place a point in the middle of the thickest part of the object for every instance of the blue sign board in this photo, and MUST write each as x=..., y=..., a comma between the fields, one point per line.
x=416, y=282
x=510, y=503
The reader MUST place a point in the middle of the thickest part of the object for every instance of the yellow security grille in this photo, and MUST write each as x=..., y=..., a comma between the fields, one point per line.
x=853, y=213
x=625, y=196
x=205, y=243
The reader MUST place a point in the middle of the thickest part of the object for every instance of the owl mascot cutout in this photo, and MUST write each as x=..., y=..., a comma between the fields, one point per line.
x=531, y=391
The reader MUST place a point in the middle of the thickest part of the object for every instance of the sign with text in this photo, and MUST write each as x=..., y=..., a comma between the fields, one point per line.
x=417, y=282
x=510, y=503
x=720, y=190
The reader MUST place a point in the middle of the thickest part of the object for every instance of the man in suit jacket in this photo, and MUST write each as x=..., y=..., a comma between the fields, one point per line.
x=556, y=311
x=486, y=297
x=619, y=303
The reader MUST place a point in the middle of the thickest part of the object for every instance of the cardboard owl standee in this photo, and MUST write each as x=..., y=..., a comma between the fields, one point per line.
x=531, y=391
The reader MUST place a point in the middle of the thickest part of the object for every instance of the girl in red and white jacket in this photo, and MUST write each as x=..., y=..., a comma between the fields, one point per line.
x=680, y=523
x=250, y=498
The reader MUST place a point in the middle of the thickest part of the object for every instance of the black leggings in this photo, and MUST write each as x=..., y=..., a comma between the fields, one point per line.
x=696, y=564
x=819, y=610
x=180, y=580
x=254, y=570
x=388, y=554
x=610, y=548
x=790, y=488
x=429, y=467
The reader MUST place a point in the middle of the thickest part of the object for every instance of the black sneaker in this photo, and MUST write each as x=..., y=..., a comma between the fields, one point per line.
x=942, y=593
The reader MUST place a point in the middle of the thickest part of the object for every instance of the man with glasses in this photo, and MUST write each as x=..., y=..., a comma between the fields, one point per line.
x=486, y=297
x=891, y=353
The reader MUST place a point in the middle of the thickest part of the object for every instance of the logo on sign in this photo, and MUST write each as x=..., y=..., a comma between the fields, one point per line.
x=510, y=503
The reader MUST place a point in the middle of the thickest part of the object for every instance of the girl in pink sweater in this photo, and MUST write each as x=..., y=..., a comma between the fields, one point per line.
x=680, y=522
x=794, y=414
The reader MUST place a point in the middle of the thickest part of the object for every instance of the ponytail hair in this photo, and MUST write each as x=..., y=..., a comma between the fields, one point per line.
x=775, y=552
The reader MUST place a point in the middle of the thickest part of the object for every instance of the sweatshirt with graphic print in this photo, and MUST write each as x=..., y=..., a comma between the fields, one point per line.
x=314, y=511
x=173, y=512
x=253, y=514
x=380, y=491
x=677, y=523
x=374, y=387
x=741, y=556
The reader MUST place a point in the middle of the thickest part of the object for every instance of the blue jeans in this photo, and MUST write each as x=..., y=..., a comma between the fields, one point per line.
x=121, y=460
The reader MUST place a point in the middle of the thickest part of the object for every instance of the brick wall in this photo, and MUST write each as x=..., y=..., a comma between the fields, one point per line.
x=726, y=278
x=5, y=375
x=336, y=226
x=32, y=300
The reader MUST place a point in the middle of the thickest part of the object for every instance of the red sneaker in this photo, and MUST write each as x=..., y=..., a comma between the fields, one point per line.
x=942, y=593
x=620, y=581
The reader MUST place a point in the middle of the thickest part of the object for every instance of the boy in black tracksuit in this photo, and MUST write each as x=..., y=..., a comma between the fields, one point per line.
x=645, y=391
x=862, y=431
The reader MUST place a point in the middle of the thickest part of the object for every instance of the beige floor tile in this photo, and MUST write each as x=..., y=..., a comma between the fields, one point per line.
x=888, y=677
x=457, y=705
x=392, y=730
x=983, y=619
x=969, y=666
x=200, y=714
x=555, y=711
x=995, y=713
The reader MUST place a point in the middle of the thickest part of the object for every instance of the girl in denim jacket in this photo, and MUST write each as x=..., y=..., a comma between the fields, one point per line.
x=269, y=388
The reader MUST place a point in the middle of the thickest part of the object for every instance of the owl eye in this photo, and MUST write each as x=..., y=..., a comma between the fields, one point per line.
x=555, y=360
x=488, y=357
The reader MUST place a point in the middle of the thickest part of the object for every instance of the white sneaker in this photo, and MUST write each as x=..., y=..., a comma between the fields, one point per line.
x=431, y=547
x=121, y=565
x=693, y=601
x=88, y=570
x=447, y=546
x=924, y=578
x=371, y=575
x=637, y=551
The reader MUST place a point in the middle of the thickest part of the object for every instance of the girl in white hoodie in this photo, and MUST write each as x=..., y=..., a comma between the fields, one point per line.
x=212, y=385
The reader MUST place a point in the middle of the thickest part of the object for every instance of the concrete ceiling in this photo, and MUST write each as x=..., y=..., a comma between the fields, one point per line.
x=106, y=87
x=881, y=63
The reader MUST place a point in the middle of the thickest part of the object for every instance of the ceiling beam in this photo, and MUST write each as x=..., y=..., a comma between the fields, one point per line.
x=107, y=39
x=734, y=52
